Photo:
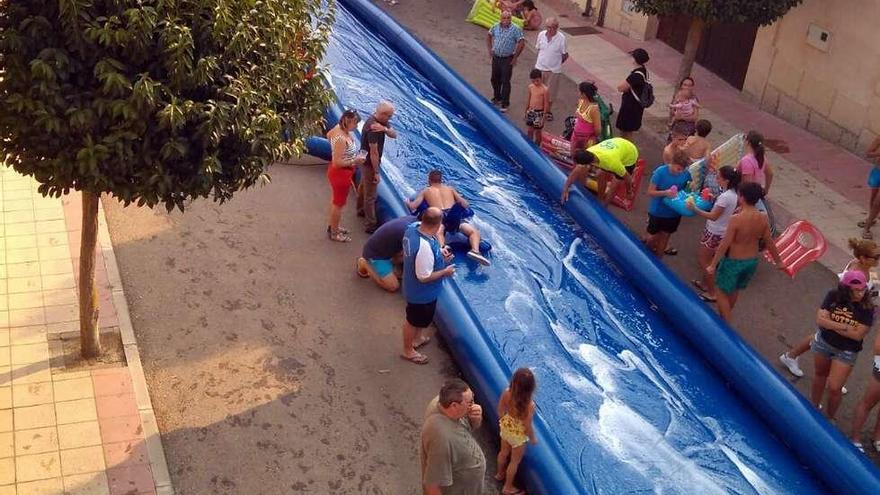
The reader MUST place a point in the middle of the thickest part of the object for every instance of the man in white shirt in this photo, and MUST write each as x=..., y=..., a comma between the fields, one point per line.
x=552, y=53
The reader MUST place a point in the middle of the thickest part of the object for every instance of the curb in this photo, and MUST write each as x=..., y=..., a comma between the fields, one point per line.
x=155, y=451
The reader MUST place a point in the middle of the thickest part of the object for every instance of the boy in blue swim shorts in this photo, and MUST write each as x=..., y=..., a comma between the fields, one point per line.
x=873, y=155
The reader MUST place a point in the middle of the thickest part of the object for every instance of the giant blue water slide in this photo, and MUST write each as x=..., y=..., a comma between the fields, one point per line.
x=641, y=387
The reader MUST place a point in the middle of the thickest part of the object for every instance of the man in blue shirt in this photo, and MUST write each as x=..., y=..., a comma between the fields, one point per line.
x=382, y=251
x=424, y=268
x=505, y=42
x=662, y=220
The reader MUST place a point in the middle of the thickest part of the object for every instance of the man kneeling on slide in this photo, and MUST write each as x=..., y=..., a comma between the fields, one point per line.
x=382, y=251
x=455, y=211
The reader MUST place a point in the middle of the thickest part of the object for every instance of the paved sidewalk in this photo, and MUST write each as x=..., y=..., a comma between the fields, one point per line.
x=87, y=431
x=813, y=180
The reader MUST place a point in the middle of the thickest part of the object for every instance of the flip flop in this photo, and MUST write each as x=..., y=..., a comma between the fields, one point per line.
x=357, y=268
x=671, y=251
x=417, y=359
x=424, y=342
x=707, y=298
x=699, y=285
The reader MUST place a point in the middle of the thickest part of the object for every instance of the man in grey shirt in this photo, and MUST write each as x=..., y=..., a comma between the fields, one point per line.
x=452, y=461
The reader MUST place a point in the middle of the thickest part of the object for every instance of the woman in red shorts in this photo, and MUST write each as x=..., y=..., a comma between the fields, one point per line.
x=345, y=158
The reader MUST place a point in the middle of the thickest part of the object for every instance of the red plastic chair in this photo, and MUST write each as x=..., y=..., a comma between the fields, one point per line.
x=800, y=245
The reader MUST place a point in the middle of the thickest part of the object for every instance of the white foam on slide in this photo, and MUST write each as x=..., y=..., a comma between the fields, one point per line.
x=468, y=154
x=624, y=432
x=519, y=214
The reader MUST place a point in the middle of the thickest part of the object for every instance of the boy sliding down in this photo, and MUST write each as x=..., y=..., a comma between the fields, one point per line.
x=454, y=208
x=538, y=99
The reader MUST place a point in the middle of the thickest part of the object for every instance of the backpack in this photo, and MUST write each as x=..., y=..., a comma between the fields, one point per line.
x=646, y=99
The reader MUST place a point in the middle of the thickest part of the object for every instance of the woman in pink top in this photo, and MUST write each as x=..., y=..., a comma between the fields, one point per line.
x=752, y=166
x=587, y=121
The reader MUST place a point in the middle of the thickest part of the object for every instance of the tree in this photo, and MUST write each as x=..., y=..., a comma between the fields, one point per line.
x=705, y=12
x=155, y=101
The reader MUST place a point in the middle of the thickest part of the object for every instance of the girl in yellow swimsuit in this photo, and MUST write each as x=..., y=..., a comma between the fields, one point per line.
x=516, y=410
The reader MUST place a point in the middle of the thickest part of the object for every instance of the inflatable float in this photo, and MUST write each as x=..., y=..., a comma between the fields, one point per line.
x=455, y=239
x=703, y=201
x=484, y=14
x=559, y=150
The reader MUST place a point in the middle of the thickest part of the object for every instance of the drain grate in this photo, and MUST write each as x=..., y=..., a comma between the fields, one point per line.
x=580, y=30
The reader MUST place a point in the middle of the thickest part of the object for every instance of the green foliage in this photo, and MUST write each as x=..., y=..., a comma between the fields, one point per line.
x=762, y=12
x=158, y=101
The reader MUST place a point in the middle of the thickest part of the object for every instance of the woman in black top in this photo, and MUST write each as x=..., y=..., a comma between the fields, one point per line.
x=629, y=117
x=844, y=319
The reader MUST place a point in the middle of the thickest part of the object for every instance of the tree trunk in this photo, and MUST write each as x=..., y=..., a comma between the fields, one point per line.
x=695, y=34
x=88, y=293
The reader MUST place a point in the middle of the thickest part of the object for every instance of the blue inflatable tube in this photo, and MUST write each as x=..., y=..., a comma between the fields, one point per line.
x=811, y=438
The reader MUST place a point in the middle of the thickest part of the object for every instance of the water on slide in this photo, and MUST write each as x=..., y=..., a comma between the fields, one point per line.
x=632, y=407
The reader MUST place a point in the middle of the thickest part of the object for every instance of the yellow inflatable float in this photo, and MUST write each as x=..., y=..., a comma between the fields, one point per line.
x=484, y=14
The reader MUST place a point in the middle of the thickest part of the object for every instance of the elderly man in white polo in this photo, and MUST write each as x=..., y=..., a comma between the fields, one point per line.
x=552, y=53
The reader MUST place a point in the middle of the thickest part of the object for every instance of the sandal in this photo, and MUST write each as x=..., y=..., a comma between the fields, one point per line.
x=699, y=285
x=338, y=236
x=343, y=230
x=362, y=272
x=705, y=297
x=671, y=251
x=425, y=341
x=417, y=359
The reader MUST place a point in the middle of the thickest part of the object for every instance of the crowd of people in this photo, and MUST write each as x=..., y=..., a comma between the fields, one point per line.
x=411, y=253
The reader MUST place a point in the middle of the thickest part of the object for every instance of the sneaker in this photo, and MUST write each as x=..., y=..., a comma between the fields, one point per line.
x=479, y=258
x=791, y=364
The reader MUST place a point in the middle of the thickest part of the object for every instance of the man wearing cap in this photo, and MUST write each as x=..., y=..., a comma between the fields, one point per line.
x=736, y=259
x=505, y=42
x=629, y=118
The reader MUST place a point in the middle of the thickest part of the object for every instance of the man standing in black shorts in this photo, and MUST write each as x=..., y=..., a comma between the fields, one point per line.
x=424, y=268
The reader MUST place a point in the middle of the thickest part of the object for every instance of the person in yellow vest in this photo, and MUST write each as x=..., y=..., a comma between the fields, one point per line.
x=616, y=160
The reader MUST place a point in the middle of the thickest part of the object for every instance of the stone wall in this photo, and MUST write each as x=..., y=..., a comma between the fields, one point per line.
x=831, y=88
